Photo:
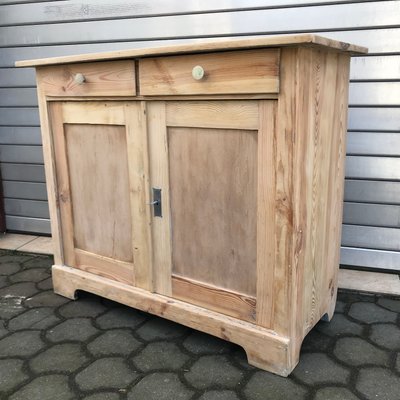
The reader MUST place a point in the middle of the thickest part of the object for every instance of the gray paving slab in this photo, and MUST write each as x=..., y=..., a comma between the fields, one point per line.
x=94, y=349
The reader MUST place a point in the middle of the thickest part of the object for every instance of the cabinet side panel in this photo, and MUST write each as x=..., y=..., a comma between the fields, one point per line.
x=318, y=169
x=213, y=188
x=98, y=174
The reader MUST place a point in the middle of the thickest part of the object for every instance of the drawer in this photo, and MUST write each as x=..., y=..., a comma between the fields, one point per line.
x=239, y=72
x=115, y=78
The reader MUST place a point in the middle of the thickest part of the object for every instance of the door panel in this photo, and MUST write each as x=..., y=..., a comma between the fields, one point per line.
x=212, y=246
x=102, y=188
x=213, y=194
x=100, y=198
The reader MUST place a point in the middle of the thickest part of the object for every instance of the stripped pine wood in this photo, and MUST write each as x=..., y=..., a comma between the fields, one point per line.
x=139, y=177
x=213, y=114
x=105, y=266
x=51, y=174
x=247, y=246
x=159, y=177
x=264, y=348
x=207, y=46
x=214, y=235
x=266, y=212
x=100, y=79
x=251, y=71
x=227, y=302
x=63, y=200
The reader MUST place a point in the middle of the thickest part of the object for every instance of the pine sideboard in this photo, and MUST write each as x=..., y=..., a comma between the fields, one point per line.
x=202, y=183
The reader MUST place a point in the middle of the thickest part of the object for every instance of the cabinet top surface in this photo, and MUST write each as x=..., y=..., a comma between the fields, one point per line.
x=201, y=47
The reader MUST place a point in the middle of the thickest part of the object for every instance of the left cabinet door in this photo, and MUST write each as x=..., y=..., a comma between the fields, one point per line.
x=100, y=153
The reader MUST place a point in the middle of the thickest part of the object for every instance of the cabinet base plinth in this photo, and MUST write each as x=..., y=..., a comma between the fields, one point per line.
x=264, y=348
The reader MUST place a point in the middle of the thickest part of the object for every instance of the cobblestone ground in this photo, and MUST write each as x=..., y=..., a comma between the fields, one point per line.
x=52, y=348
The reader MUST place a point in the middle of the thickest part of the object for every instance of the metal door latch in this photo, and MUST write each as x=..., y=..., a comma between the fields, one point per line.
x=156, y=203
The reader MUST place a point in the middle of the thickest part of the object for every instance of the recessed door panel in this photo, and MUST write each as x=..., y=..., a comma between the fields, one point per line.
x=213, y=195
x=99, y=186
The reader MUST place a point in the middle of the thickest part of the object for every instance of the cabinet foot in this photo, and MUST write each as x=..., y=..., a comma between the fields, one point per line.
x=264, y=348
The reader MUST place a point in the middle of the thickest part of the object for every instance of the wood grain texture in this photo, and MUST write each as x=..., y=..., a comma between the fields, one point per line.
x=264, y=348
x=139, y=179
x=107, y=267
x=213, y=114
x=159, y=177
x=101, y=79
x=206, y=46
x=93, y=112
x=62, y=188
x=251, y=71
x=213, y=189
x=50, y=172
x=99, y=189
x=266, y=190
x=214, y=298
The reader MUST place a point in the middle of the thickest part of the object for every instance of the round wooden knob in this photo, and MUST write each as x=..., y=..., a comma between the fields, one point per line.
x=198, y=72
x=79, y=79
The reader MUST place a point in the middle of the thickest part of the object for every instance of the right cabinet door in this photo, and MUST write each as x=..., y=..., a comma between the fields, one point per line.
x=211, y=159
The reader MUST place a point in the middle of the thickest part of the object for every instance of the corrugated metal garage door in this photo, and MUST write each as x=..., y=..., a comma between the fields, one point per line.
x=33, y=29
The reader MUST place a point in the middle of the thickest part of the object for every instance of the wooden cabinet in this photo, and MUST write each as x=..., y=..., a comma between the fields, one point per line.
x=202, y=183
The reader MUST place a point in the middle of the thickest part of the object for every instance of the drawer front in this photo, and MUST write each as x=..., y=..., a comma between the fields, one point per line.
x=239, y=72
x=115, y=78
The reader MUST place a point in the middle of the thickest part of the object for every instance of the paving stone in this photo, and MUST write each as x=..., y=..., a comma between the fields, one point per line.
x=390, y=304
x=219, y=395
x=121, y=317
x=9, y=268
x=357, y=352
x=213, y=370
x=80, y=329
x=30, y=275
x=37, y=318
x=335, y=393
x=160, y=355
x=11, y=374
x=22, y=290
x=378, y=383
x=14, y=258
x=49, y=387
x=158, y=328
x=370, y=313
x=266, y=386
x=386, y=335
x=46, y=299
x=3, y=281
x=201, y=343
x=315, y=341
x=106, y=373
x=316, y=368
x=240, y=357
x=59, y=358
x=340, y=306
x=82, y=308
x=339, y=325
x=114, y=342
x=39, y=262
x=352, y=297
x=3, y=330
x=21, y=344
x=160, y=386
x=10, y=306
x=47, y=284
x=103, y=396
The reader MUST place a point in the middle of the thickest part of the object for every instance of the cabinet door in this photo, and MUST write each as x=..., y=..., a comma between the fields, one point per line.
x=210, y=160
x=100, y=151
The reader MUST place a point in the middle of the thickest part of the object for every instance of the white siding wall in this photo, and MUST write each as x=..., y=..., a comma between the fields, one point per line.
x=33, y=29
